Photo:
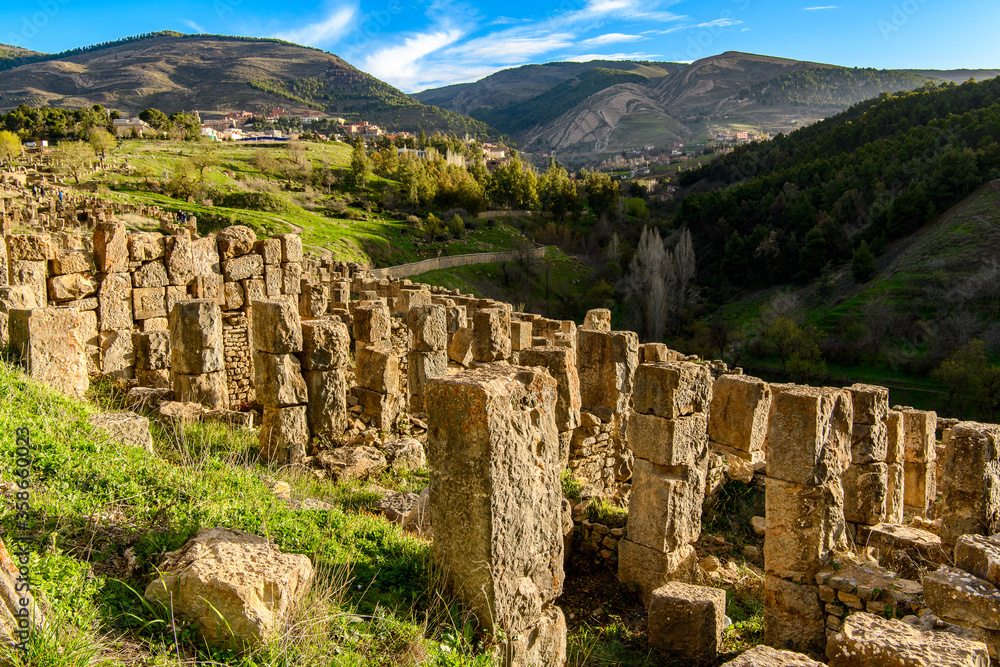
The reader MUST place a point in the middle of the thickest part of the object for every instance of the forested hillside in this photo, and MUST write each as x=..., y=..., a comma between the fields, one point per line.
x=867, y=176
x=836, y=87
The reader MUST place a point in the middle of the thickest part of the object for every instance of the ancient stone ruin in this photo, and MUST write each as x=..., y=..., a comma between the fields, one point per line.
x=332, y=359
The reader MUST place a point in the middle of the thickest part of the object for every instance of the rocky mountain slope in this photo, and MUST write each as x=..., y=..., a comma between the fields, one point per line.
x=175, y=72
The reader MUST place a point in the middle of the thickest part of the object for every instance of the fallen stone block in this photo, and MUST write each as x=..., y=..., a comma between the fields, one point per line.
x=405, y=454
x=127, y=428
x=147, y=398
x=234, y=585
x=979, y=556
x=765, y=656
x=866, y=640
x=960, y=597
x=347, y=463
x=686, y=621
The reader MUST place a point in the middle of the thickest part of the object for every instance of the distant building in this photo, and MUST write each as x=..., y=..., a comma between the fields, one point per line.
x=127, y=127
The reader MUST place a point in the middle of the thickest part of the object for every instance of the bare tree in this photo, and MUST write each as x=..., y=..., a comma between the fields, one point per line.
x=646, y=283
x=686, y=270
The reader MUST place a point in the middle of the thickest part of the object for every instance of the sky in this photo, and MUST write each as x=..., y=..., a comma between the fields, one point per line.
x=420, y=45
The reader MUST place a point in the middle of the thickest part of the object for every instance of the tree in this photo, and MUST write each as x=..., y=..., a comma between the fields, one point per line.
x=862, y=263
x=649, y=284
x=265, y=162
x=73, y=158
x=101, y=141
x=973, y=383
x=10, y=146
x=360, y=170
x=685, y=267
x=205, y=157
x=155, y=118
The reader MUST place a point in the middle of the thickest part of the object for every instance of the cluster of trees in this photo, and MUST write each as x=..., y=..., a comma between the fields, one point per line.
x=177, y=125
x=872, y=174
x=660, y=283
x=837, y=87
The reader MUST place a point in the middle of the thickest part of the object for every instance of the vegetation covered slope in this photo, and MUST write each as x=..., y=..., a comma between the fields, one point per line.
x=831, y=86
x=175, y=72
x=871, y=174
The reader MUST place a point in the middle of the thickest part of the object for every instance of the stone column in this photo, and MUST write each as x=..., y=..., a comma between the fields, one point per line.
x=606, y=363
x=152, y=359
x=808, y=449
x=668, y=434
x=197, y=366
x=866, y=481
x=278, y=381
x=326, y=345
x=428, y=355
x=376, y=366
x=50, y=343
x=495, y=499
x=491, y=335
x=737, y=422
x=894, y=460
x=560, y=362
x=970, y=487
x=919, y=468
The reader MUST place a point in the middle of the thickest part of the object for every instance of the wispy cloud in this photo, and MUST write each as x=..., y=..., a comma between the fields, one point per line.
x=194, y=26
x=720, y=23
x=324, y=32
x=587, y=57
x=816, y=9
x=400, y=64
x=614, y=38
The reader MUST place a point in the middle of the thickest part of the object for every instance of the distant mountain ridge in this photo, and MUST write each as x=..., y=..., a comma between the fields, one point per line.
x=211, y=73
x=660, y=103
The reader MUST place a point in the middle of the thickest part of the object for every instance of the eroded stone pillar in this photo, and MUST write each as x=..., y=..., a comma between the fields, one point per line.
x=376, y=365
x=970, y=487
x=866, y=481
x=495, y=497
x=808, y=449
x=197, y=361
x=668, y=435
x=326, y=347
x=919, y=469
x=428, y=355
x=51, y=345
x=280, y=387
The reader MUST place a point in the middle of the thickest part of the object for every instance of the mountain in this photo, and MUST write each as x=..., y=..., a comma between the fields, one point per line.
x=210, y=73
x=601, y=107
x=10, y=55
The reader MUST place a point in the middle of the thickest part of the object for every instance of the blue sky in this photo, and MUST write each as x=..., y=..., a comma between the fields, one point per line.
x=418, y=45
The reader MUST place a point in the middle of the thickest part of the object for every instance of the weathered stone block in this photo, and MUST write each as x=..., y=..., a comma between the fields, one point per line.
x=277, y=328
x=29, y=247
x=158, y=379
x=869, y=443
x=960, y=597
x=66, y=262
x=236, y=241
x=560, y=362
x=150, y=274
x=278, y=380
x=114, y=300
x=918, y=486
x=460, y=347
x=31, y=274
x=491, y=335
x=88, y=332
x=499, y=535
x=598, y=319
x=765, y=656
x=377, y=368
x=176, y=294
x=211, y=287
x=738, y=414
x=71, y=287
x=326, y=344
x=117, y=354
x=686, y=621
x=196, y=337
x=650, y=569
x=205, y=256
x=146, y=246
x=866, y=487
x=152, y=350
x=327, y=407
x=665, y=506
x=671, y=390
x=51, y=345
x=274, y=280
x=209, y=389
x=871, y=403
x=313, y=300
x=235, y=298
x=291, y=274
x=383, y=408
x=149, y=302
x=919, y=432
x=457, y=318
x=371, y=323
x=254, y=290
x=270, y=250
x=284, y=434
x=979, y=556
x=243, y=268
x=793, y=615
x=668, y=442
x=421, y=367
x=606, y=363
x=127, y=428
x=17, y=297
x=894, y=493
x=291, y=247
x=111, y=247
x=809, y=435
x=428, y=328
x=520, y=335
x=805, y=526
x=866, y=639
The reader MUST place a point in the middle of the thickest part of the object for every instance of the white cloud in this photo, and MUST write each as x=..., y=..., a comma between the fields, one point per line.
x=512, y=49
x=613, y=38
x=720, y=23
x=327, y=31
x=587, y=57
x=400, y=65
x=815, y=9
x=194, y=26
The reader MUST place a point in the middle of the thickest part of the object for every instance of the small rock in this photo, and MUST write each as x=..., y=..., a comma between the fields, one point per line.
x=709, y=563
x=282, y=490
x=751, y=552
x=352, y=462
x=759, y=524
x=128, y=428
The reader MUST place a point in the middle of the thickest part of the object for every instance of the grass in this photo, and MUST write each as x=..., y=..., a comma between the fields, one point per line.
x=104, y=514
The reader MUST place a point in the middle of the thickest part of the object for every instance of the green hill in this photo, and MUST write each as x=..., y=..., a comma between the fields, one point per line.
x=214, y=73
x=836, y=87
